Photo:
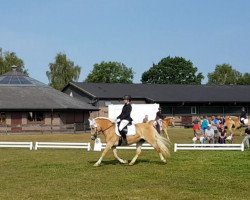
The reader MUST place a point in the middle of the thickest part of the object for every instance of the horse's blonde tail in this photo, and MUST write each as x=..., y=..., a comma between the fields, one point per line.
x=163, y=143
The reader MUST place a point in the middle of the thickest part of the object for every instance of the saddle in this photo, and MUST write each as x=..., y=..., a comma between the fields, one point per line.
x=126, y=131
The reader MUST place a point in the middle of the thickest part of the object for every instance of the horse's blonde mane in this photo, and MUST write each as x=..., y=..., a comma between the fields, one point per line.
x=106, y=119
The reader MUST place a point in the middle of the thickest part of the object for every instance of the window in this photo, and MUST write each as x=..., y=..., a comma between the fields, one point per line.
x=35, y=116
x=182, y=110
x=193, y=110
x=2, y=118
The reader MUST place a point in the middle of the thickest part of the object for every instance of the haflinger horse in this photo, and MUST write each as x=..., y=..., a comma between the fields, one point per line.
x=232, y=123
x=166, y=122
x=143, y=132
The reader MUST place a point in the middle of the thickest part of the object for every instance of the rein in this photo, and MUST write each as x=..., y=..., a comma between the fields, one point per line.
x=108, y=128
x=105, y=129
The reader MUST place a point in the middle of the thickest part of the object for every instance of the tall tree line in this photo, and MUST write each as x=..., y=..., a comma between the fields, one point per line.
x=169, y=70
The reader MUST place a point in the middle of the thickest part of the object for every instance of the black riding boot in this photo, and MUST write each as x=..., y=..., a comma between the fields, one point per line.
x=124, y=138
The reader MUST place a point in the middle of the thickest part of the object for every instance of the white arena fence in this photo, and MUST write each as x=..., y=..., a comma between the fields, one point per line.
x=239, y=147
x=16, y=145
x=62, y=145
x=98, y=146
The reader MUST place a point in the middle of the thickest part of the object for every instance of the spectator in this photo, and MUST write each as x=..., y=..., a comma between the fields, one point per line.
x=145, y=119
x=246, y=140
x=215, y=123
x=209, y=134
x=200, y=136
x=204, y=124
x=222, y=137
x=196, y=126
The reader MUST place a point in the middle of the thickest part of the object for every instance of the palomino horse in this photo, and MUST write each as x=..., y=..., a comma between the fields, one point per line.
x=232, y=123
x=144, y=132
x=166, y=122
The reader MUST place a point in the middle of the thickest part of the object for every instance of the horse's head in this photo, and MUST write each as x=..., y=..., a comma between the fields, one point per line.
x=94, y=128
x=99, y=125
x=169, y=121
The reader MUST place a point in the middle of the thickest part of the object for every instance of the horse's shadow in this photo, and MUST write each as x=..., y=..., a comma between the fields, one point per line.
x=116, y=162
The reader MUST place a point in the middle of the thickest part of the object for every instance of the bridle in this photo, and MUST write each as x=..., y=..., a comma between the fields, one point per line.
x=97, y=131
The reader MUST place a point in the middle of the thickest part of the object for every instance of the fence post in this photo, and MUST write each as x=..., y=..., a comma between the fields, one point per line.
x=175, y=147
x=242, y=146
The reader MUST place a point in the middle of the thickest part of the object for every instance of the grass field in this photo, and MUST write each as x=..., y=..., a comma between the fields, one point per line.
x=69, y=173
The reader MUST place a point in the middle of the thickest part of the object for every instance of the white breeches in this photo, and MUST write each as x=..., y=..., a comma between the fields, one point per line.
x=123, y=123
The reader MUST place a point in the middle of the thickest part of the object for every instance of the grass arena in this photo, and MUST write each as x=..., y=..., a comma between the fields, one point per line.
x=69, y=173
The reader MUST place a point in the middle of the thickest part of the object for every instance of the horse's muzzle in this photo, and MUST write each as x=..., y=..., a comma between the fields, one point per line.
x=93, y=137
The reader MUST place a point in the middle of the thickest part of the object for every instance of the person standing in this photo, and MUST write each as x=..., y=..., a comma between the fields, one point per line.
x=125, y=118
x=243, y=115
x=246, y=140
x=204, y=124
x=158, y=119
x=145, y=119
x=196, y=127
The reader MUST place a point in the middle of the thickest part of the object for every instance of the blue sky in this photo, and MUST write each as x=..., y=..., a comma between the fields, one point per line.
x=137, y=33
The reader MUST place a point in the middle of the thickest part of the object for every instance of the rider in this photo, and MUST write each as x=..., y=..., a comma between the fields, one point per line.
x=158, y=119
x=243, y=115
x=124, y=118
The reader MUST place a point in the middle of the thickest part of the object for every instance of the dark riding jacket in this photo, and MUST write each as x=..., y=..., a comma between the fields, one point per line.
x=126, y=111
x=158, y=116
x=243, y=114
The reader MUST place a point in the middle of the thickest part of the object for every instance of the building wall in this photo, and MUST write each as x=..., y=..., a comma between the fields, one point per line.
x=60, y=121
x=103, y=106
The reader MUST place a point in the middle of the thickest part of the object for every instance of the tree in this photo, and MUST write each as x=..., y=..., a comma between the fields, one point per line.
x=110, y=72
x=62, y=71
x=172, y=71
x=244, y=80
x=224, y=75
x=8, y=59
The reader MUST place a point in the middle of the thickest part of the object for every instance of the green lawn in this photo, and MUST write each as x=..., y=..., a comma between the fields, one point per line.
x=69, y=173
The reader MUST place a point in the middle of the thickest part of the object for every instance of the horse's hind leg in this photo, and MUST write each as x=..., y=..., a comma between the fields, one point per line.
x=117, y=157
x=162, y=158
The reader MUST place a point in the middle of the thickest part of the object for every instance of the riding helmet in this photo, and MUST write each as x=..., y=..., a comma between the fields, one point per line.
x=127, y=97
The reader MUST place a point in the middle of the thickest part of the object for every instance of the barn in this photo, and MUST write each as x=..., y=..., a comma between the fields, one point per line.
x=182, y=101
x=29, y=105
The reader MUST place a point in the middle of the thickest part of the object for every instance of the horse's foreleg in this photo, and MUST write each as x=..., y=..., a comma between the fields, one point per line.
x=138, y=152
x=108, y=147
x=166, y=133
x=117, y=157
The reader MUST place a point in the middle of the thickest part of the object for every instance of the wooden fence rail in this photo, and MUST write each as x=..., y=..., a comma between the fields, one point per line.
x=208, y=147
x=62, y=145
x=16, y=145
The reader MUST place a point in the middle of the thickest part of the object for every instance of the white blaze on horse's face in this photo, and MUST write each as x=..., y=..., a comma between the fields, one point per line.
x=172, y=121
x=93, y=127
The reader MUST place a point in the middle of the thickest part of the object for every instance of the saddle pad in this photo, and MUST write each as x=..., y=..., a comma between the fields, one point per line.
x=131, y=130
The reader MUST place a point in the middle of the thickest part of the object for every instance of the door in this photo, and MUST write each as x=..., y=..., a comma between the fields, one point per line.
x=16, y=121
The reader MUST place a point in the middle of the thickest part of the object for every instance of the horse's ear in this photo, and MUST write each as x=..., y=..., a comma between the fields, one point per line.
x=91, y=122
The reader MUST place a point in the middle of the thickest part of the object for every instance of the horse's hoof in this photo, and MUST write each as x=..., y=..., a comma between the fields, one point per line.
x=96, y=165
x=131, y=164
x=125, y=162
